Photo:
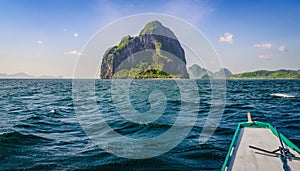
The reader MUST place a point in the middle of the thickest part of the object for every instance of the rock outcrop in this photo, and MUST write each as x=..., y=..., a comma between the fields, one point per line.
x=196, y=72
x=154, y=53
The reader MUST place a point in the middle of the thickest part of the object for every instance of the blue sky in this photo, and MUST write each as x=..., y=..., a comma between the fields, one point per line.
x=44, y=37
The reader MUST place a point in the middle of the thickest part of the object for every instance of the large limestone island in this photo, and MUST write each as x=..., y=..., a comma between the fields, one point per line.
x=154, y=53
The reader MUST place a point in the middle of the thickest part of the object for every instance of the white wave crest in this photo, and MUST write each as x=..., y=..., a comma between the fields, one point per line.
x=282, y=95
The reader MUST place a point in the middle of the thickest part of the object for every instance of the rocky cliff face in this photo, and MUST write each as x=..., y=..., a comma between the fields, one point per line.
x=197, y=72
x=223, y=72
x=154, y=53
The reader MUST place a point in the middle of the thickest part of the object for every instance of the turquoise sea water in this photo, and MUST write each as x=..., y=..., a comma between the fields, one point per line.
x=39, y=128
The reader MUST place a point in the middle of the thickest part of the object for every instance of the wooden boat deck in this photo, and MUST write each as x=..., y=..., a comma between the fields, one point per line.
x=246, y=158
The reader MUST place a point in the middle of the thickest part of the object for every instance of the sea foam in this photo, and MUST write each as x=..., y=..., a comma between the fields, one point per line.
x=282, y=95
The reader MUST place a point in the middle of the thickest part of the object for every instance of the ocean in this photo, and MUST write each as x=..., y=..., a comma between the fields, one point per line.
x=43, y=128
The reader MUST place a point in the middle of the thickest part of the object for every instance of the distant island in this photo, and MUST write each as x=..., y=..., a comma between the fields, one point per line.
x=24, y=75
x=196, y=72
x=264, y=74
x=16, y=75
x=154, y=53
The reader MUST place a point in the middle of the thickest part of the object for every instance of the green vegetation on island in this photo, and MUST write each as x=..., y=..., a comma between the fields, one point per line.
x=264, y=74
x=153, y=73
x=196, y=72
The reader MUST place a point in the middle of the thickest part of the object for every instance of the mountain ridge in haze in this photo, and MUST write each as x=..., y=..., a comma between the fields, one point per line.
x=197, y=72
x=25, y=75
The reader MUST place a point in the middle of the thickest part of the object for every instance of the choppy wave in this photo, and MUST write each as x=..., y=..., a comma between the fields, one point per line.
x=39, y=129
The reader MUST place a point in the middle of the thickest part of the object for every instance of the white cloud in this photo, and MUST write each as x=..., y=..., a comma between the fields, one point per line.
x=227, y=38
x=264, y=57
x=263, y=46
x=40, y=42
x=75, y=34
x=73, y=53
x=282, y=48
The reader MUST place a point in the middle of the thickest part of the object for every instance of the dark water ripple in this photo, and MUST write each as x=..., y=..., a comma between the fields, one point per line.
x=39, y=129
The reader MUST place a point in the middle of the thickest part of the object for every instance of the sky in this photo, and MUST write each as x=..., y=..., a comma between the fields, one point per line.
x=45, y=37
